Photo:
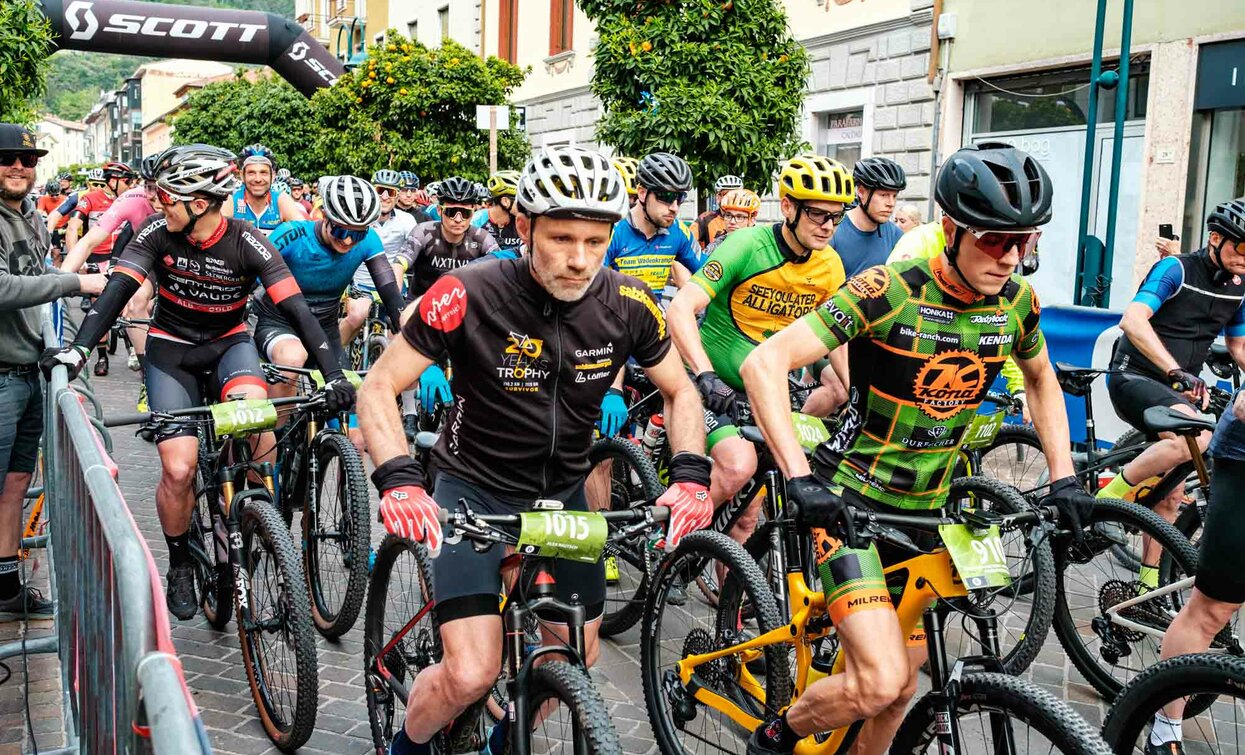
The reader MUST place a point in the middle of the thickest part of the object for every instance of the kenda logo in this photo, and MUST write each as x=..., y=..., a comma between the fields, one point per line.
x=81, y=20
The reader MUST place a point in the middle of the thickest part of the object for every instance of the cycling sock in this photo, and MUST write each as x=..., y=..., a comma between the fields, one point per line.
x=1165, y=730
x=179, y=549
x=402, y=744
x=10, y=580
x=1148, y=576
x=1117, y=488
x=408, y=403
x=777, y=735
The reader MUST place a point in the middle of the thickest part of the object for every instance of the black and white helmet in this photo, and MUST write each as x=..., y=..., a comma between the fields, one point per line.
x=458, y=190
x=572, y=182
x=728, y=183
x=349, y=200
x=662, y=171
x=197, y=169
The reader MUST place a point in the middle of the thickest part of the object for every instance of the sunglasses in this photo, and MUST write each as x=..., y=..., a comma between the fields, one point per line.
x=27, y=159
x=669, y=197
x=457, y=213
x=996, y=244
x=168, y=199
x=821, y=217
x=351, y=235
x=736, y=217
x=387, y=190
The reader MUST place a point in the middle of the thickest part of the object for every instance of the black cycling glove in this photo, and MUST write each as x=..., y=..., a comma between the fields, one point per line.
x=718, y=396
x=1183, y=381
x=1074, y=504
x=818, y=506
x=338, y=394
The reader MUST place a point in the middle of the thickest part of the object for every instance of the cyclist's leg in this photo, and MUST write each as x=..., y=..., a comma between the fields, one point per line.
x=734, y=463
x=828, y=396
x=238, y=375
x=1131, y=395
x=357, y=308
x=171, y=387
x=280, y=345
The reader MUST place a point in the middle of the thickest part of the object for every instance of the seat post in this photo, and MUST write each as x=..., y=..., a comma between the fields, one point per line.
x=1091, y=432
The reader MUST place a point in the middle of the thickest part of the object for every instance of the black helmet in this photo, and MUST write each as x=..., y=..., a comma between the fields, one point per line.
x=879, y=173
x=662, y=171
x=53, y=186
x=994, y=186
x=147, y=168
x=386, y=177
x=458, y=190
x=1228, y=220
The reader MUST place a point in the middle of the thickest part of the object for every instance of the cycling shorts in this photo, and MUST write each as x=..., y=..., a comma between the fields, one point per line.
x=467, y=583
x=357, y=291
x=1221, y=555
x=178, y=374
x=1131, y=394
x=718, y=427
x=271, y=328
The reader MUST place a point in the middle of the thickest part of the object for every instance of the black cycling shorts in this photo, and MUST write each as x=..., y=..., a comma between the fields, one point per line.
x=1131, y=394
x=467, y=583
x=1221, y=552
x=271, y=328
x=177, y=374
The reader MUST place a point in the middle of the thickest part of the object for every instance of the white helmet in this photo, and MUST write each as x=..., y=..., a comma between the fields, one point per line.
x=728, y=183
x=197, y=169
x=572, y=181
x=95, y=175
x=349, y=200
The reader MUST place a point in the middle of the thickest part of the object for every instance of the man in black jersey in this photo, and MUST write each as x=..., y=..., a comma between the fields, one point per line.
x=204, y=267
x=536, y=341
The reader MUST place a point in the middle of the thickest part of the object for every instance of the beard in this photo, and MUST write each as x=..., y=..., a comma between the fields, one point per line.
x=560, y=289
x=15, y=195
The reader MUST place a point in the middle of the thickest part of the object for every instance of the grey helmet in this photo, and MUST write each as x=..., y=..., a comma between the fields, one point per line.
x=662, y=171
x=994, y=186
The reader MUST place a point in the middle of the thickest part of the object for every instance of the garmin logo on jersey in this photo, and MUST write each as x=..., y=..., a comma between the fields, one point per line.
x=947, y=382
x=944, y=316
x=444, y=305
x=600, y=352
x=998, y=319
x=996, y=340
x=82, y=22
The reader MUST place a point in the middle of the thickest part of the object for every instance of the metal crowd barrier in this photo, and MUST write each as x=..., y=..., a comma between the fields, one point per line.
x=123, y=683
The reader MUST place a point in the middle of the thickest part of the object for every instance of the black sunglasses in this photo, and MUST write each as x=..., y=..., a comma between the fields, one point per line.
x=819, y=217
x=458, y=213
x=27, y=159
x=670, y=197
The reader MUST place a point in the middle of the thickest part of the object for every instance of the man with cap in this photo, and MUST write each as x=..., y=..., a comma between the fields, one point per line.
x=26, y=284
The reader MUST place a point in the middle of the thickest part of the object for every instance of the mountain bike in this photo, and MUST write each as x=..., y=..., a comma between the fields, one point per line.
x=372, y=339
x=553, y=703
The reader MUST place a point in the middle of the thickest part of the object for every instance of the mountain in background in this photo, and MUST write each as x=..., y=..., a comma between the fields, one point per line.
x=75, y=78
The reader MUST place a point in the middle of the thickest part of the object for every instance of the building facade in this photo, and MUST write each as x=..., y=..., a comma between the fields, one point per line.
x=65, y=142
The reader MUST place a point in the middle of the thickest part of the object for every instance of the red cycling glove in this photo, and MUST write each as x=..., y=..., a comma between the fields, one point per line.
x=691, y=508
x=405, y=507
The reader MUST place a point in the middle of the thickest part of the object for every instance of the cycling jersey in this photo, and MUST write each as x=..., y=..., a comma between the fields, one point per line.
x=538, y=368
x=506, y=236
x=47, y=204
x=924, y=242
x=132, y=207
x=91, y=208
x=757, y=286
x=419, y=213
x=69, y=205
x=923, y=354
x=864, y=249
x=426, y=254
x=1192, y=301
x=649, y=259
x=392, y=231
x=267, y=220
x=708, y=227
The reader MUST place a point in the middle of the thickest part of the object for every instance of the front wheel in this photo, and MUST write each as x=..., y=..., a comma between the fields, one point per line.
x=998, y=713
x=336, y=536
x=569, y=712
x=210, y=550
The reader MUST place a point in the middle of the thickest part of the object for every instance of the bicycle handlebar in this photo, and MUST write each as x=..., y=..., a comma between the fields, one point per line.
x=120, y=420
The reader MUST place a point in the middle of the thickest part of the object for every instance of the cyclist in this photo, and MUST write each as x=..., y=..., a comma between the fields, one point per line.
x=51, y=199
x=627, y=167
x=650, y=242
x=324, y=256
x=926, y=339
x=710, y=224
x=924, y=242
x=256, y=200
x=907, y=217
x=410, y=199
x=439, y=246
x=739, y=209
x=298, y=192
x=1182, y=305
x=757, y=282
x=204, y=265
x=866, y=236
x=392, y=226
x=498, y=217
x=521, y=329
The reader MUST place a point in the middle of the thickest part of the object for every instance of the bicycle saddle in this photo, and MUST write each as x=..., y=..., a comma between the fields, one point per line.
x=1220, y=361
x=1076, y=381
x=424, y=441
x=1164, y=419
x=752, y=434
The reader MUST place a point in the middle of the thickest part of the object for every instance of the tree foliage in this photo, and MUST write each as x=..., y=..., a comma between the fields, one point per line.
x=238, y=112
x=413, y=108
x=76, y=78
x=719, y=82
x=25, y=39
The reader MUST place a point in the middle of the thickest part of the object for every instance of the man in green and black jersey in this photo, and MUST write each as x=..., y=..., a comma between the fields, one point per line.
x=925, y=340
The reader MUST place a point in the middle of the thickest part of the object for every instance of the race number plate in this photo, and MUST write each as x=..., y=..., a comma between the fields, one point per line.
x=571, y=535
x=245, y=416
x=810, y=431
x=983, y=430
x=978, y=555
x=318, y=380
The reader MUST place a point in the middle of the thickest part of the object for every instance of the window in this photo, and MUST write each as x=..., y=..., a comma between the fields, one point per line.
x=1051, y=100
x=507, y=30
x=412, y=30
x=840, y=135
x=561, y=18
x=443, y=21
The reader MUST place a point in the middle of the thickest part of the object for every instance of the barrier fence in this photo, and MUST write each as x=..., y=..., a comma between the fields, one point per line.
x=123, y=683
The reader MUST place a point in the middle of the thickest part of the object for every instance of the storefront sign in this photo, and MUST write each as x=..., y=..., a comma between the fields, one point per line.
x=1221, y=76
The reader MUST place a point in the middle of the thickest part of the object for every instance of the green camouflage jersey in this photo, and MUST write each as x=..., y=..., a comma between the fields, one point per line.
x=923, y=353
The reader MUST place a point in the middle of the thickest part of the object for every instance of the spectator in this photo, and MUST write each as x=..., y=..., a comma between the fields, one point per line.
x=26, y=284
x=908, y=217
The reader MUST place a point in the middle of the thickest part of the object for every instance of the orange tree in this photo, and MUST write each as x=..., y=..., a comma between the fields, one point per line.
x=25, y=43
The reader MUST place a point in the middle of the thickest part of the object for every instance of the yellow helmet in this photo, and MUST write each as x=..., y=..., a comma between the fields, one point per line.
x=503, y=183
x=741, y=200
x=813, y=177
x=627, y=166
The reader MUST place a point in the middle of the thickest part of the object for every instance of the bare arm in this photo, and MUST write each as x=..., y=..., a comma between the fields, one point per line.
x=1136, y=325
x=72, y=230
x=764, y=373
x=681, y=274
x=398, y=367
x=685, y=417
x=82, y=248
x=681, y=321
x=289, y=208
x=1236, y=347
x=54, y=219
x=1045, y=400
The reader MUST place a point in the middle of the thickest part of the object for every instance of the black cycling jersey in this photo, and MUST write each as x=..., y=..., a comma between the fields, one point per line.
x=529, y=371
x=201, y=290
x=506, y=236
x=427, y=255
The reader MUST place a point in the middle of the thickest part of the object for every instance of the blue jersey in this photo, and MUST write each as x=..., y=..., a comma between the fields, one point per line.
x=650, y=259
x=267, y=221
x=861, y=250
x=321, y=273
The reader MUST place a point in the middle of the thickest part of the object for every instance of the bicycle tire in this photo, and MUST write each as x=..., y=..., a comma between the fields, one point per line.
x=212, y=575
x=422, y=648
x=1024, y=439
x=1130, y=555
x=1204, y=676
x=1189, y=523
x=1069, y=555
x=355, y=533
x=376, y=346
x=623, y=612
x=260, y=519
x=744, y=583
x=559, y=680
x=1015, y=698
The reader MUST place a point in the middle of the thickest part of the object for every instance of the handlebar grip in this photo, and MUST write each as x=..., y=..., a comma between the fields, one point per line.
x=119, y=420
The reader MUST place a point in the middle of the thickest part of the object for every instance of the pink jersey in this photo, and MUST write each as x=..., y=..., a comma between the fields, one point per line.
x=133, y=207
